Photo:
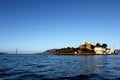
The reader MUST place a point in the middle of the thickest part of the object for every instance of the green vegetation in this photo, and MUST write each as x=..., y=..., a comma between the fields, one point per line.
x=101, y=45
x=68, y=50
x=104, y=45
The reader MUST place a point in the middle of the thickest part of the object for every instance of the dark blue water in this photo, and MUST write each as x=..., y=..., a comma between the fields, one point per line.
x=62, y=67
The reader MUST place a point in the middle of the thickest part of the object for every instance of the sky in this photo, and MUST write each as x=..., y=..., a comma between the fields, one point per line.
x=38, y=25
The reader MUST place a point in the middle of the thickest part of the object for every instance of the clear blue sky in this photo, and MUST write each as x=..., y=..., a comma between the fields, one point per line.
x=45, y=24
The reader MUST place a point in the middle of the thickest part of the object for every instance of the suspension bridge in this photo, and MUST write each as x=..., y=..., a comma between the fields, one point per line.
x=16, y=51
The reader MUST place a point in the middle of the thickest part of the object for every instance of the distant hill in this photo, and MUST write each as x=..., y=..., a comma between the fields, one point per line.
x=50, y=51
x=118, y=51
x=3, y=53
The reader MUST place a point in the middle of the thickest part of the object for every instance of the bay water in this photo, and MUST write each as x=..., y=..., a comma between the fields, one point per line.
x=59, y=67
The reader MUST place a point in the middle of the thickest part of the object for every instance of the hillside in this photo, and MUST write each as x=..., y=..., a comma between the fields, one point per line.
x=50, y=51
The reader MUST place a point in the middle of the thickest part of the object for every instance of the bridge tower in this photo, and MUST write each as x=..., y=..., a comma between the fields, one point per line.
x=16, y=51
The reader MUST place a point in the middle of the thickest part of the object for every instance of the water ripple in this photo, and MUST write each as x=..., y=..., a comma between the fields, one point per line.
x=55, y=67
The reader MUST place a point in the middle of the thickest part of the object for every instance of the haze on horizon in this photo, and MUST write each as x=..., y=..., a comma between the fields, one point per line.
x=39, y=25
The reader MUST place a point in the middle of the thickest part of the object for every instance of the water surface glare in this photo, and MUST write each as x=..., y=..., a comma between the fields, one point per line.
x=62, y=67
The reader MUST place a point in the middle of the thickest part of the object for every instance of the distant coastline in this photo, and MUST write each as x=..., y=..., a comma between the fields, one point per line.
x=3, y=53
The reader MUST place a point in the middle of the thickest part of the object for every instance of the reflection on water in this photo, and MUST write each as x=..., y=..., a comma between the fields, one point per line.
x=54, y=67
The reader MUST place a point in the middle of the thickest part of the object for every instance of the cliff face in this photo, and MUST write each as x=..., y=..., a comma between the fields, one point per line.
x=86, y=49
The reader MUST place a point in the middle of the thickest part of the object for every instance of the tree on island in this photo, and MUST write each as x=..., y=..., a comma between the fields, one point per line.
x=98, y=45
x=104, y=45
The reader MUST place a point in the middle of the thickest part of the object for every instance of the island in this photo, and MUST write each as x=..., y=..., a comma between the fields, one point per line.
x=86, y=48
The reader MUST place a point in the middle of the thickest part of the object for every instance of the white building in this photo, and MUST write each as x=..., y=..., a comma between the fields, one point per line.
x=100, y=50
